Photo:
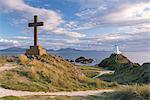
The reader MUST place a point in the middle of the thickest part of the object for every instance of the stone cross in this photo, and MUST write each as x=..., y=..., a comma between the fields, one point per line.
x=35, y=25
x=36, y=49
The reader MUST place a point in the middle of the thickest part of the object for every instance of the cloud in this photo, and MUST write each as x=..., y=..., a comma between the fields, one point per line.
x=52, y=19
x=128, y=41
x=5, y=43
x=130, y=12
x=113, y=12
x=22, y=38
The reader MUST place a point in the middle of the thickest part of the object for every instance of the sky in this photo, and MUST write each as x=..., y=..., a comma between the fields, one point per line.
x=78, y=24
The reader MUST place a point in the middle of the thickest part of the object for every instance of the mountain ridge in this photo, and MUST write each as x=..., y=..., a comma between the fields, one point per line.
x=16, y=49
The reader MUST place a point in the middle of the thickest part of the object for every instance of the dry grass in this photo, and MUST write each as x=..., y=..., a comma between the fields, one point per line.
x=3, y=61
x=89, y=71
x=135, y=92
x=48, y=73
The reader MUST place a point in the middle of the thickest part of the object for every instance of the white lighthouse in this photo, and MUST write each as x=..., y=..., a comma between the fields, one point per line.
x=117, y=51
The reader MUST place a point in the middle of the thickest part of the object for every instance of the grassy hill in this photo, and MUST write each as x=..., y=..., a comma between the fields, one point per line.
x=126, y=72
x=114, y=61
x=130, y=74
x=47, y=73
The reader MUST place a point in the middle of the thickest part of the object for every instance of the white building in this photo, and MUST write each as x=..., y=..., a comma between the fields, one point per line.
x=117, y=51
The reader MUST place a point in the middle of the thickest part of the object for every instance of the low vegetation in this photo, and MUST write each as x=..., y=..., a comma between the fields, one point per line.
x=47, y=73
x=129, y=75
x=3, y=61
x=89, y=71
x=135, y=92
x=126, y=72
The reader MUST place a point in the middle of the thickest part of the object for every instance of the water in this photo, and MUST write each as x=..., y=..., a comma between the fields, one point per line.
x=138, y=57
x=96, y=56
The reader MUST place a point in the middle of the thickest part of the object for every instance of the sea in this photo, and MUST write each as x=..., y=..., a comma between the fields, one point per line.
x=97, y=56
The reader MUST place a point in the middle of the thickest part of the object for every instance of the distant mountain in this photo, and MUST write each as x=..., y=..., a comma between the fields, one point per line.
x=67, y=50
x=13, y=49
x=50, y=50
x=77, y=50
x=17, y=49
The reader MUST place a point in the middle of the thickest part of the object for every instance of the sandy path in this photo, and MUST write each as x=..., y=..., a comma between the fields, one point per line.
x=7, y=67
x=103, y=72
x=8, y=92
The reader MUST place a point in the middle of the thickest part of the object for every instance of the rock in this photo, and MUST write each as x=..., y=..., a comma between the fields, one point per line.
x=70, y=60
x=84, y=60
x=67, y=59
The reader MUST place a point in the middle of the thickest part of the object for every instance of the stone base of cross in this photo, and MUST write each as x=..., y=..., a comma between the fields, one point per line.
x=35, y=50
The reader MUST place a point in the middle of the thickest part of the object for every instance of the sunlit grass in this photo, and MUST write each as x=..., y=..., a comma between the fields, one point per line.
x=48, y=73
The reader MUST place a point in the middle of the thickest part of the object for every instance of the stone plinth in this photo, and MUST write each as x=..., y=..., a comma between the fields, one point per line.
x=35, y=50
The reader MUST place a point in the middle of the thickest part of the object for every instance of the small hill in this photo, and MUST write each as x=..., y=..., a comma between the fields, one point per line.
x=114, y=61
x=47, y=73
x=127, y=74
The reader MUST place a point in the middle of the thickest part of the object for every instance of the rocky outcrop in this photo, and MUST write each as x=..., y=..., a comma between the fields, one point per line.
x=126, y=72
x=114, y=61
x=84, y=60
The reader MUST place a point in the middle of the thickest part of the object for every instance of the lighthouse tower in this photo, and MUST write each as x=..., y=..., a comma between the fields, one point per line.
x=117, y=51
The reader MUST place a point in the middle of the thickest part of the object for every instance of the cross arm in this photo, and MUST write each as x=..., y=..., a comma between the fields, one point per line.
x=38, y=24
